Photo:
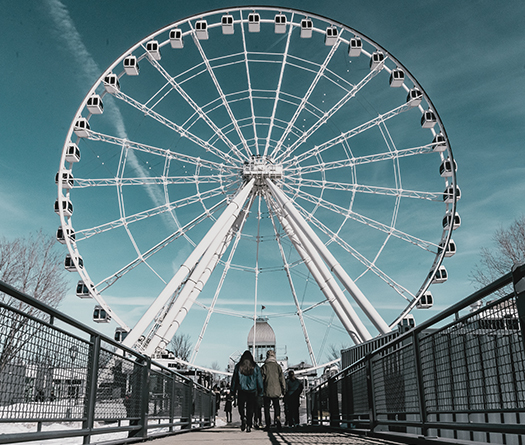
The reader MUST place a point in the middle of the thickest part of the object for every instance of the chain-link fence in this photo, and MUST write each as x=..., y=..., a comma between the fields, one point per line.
x=59, y=378
x=460, y=376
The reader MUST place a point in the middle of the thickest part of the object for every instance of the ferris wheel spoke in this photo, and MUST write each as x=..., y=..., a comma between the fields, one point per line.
x=304, y=100
x=111, y=279
x=204, y=116
x=148, y=111
x=348, y=134
x=327, y=115
x=292, y=289
x=359, y=188
x=278, y=89
x=425, y=245
x=87, y=233
x=224, y=100
x=295, y=168
x=168, y=180
x=120, y=142
x=370, y=265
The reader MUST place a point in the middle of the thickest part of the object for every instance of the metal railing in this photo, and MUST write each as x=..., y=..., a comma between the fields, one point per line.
x=459, y=376
x=60, y=378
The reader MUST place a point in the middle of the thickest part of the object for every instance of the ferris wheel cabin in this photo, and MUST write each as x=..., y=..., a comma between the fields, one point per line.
x=82, y=290
x=201, y=29
x=355, y=46
x=67, y=179
x=81, y=127
x=450, y=250
x=376, y=59
x=111, y=83
x=69, y=263
x=131, y=66
x=440, y=143
x=95, y=105
x=408, y=322
x=227, y=24
x=280, y=24
x=414, y=97
x=445, y=169
x=428, y=120
x=153, y=49
x=330, y=36
x=72, y=153
x=176, y=40
x=448, y=194
x=120, y=334
x=397, y=78
x=61, y=234
x=441, y=275
x=254, y=22
x=307, y=27
x=100, y=315
x=447, y=221
x=426, y=301
x=67, y=207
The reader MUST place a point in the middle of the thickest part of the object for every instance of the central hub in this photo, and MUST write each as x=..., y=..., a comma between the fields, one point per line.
x=260, y=168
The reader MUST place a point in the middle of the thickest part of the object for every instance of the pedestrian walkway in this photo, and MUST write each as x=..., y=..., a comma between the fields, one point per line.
x=286, y=436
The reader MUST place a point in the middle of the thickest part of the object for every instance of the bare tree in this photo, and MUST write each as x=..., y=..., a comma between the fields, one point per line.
x=34, y=266
x=181, y=346
x=334, y=352
x=496, y=262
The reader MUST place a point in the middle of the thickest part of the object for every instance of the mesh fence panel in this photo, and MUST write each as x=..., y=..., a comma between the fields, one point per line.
x=42, y=369
x=477, y=364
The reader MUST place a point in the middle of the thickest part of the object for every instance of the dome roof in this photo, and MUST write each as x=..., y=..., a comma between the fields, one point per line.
x=264, y=334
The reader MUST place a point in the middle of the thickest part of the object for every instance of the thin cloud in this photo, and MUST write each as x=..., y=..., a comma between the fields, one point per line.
x=68, y=35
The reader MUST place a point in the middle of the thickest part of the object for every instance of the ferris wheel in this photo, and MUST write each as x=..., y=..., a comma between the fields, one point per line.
x=260, y=154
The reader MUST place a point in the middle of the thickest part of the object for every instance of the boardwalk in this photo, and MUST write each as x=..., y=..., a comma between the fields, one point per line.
x=289, y=436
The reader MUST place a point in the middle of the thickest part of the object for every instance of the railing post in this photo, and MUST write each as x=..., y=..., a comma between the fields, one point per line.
x=91, y=386
x=518, y=281
x=420, y=386
x=333, y=402
x=144, y=406
x=370, y=391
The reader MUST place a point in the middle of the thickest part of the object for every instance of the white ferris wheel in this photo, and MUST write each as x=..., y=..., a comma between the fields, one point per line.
x=263, y=155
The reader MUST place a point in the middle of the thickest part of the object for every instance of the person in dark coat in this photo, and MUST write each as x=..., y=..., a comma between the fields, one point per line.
x=274, y=388
x=246, y=386
x=294, y=388
x=228, y=400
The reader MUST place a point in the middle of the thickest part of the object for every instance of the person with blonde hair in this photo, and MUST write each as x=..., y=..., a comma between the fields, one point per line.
x=274, y=388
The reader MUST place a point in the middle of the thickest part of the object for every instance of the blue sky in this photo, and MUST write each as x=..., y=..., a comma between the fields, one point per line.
x=467, y=56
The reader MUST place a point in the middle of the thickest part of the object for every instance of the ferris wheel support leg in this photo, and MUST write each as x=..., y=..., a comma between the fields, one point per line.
x=338, y=270
x=163, y=334
x=187, y=266
x=351, y=322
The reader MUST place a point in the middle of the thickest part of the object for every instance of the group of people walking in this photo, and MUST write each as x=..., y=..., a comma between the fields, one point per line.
x=251, y=384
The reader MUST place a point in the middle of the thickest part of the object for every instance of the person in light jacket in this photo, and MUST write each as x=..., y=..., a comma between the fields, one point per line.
x=274, y=388
x=247, y=384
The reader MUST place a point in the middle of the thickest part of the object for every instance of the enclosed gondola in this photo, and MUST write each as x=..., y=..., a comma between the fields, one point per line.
x=307, y=27
x=227, y=24
x=330, y=36
x=176, y=40
x=131, y=66
x=254, y=22
x=201, y=29
x=111, y=83
x=67, y=206
x=355, y=46
x=94, y=104
x=70, y=265
x=61, y=234
x=426, y=301
x=153, y=49
x=280, y=23
x=81, y=127
x=100, y=315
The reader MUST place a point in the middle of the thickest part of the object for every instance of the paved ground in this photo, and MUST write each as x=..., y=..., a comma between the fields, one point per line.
x=232, y=434
x=286, y=436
